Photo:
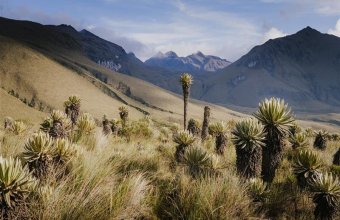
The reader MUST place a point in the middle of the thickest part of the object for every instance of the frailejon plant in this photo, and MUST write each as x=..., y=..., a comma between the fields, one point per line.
x=298, y=140
x=186, y=82
x=124, y=115
x=294, y=129
x=320, y=141
x=183, y=139
x=326, y=188
x=205, y=125
x=18, y=127
x=218, y=130
x=198, y=162
x=86, y=124
x=8, y=123
x=276, y=118
x=106, y=126
x=114, y=126
x=306, y=166
x=248, y=138
x=72, y=108
x=63, y=151
x=38, y=154
x=194, y=127
x=57, y=125
x=336, y=158
x=16, y=184
x=257, y=189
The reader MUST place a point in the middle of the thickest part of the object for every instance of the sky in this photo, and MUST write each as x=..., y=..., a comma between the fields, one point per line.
x=225, y=28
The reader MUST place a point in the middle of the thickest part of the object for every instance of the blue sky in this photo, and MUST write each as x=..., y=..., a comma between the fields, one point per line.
x=227, y=28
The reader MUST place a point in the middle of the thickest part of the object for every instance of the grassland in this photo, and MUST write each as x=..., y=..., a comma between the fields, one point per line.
x=134, y=175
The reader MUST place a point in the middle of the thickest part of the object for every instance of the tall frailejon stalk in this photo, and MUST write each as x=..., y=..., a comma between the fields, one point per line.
x=186, y=81
x=205, y=125
x=276, y=118
x=248, y=138
x=72, y=108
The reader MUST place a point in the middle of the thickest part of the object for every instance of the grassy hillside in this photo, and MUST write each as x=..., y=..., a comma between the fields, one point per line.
x=12, y=107
x=36, y=75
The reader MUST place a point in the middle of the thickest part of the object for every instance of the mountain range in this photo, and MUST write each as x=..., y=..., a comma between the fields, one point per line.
x=194, y=63
x=303, y=68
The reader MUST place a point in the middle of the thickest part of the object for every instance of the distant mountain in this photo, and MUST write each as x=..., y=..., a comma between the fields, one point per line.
x=55, y=40
x=303, y=68
x=196, y=63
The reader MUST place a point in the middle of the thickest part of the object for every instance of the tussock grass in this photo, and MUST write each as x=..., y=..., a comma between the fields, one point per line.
x=135, y=175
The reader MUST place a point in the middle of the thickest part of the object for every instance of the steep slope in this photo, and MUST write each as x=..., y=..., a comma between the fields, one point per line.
x=64, y=41
x=303, y=68
x=33, y=74
x=194, y=63
x=13, y=107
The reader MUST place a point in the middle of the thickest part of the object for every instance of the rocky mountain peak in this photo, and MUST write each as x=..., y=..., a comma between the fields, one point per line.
x=171, y=54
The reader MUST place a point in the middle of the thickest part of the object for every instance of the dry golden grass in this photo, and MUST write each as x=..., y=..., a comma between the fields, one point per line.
x=12, y=107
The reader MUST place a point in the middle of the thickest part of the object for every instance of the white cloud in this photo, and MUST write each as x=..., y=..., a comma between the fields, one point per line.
x=191, y=28
x=273, y=33
x=328, y=7
x=336, y=30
